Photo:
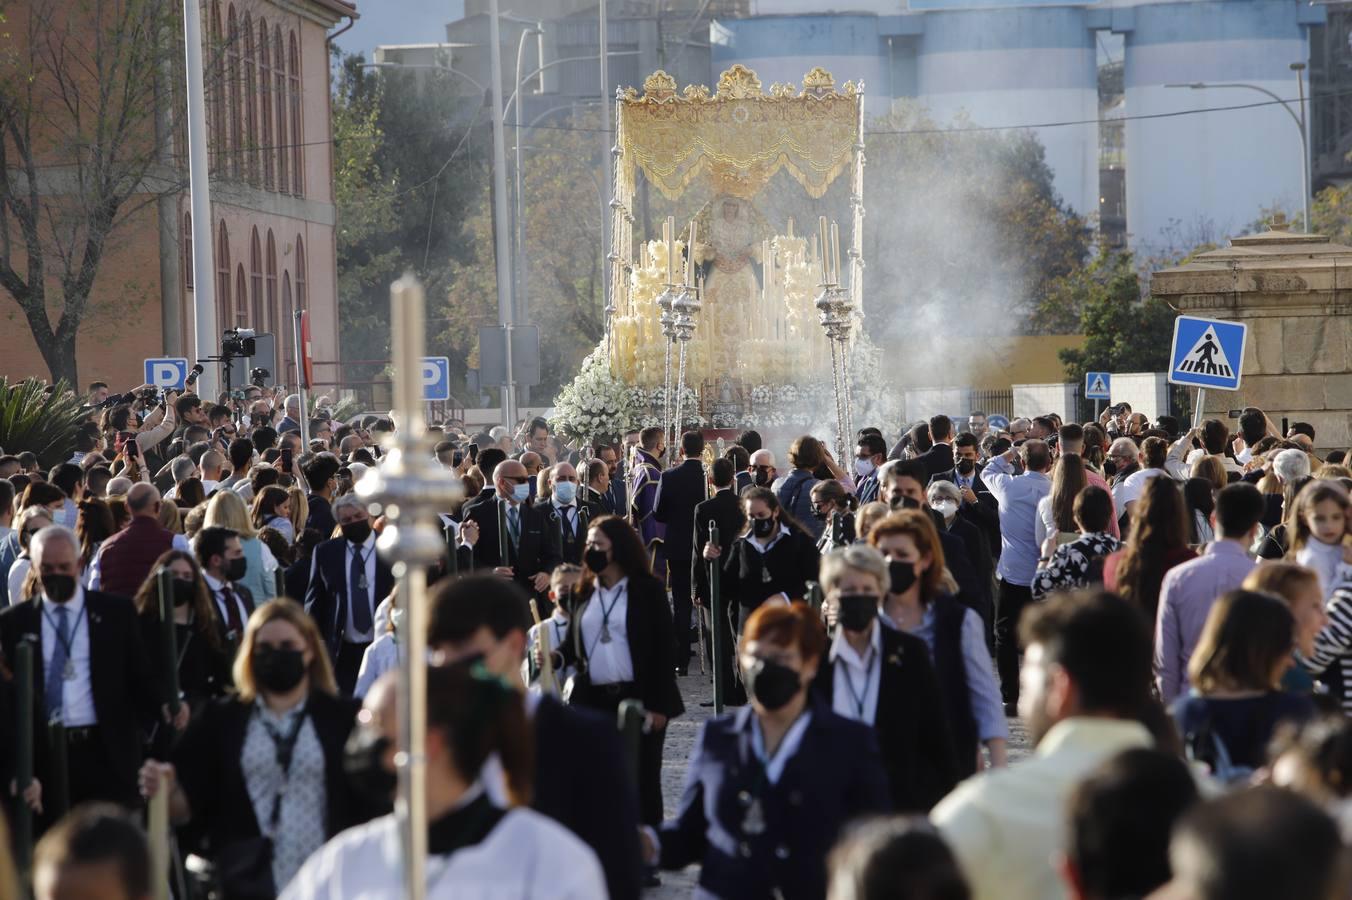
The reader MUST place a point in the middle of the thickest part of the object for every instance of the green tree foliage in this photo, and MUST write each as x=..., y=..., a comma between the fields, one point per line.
x=36, y=418
x=408, y=167
x=1123, y=331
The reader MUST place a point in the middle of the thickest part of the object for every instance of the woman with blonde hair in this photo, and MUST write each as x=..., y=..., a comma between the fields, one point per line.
x=226, y=509
x=300, y=511
x=262, y=772
x=171, y=518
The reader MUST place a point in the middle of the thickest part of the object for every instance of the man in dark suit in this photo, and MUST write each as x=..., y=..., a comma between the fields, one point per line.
x=221, y=557
x=90, y=673
x=582, y=777
x=979, y=505
x=938, y=458
x=725, y=511
x=592, y=496
x=566, y=512
x=870, y=453
x=321, y=474
x=616, y=495
x=515, y=539
x=679, y=491
x=348, y=579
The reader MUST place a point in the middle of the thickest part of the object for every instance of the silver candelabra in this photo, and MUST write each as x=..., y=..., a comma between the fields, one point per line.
x=409, y=489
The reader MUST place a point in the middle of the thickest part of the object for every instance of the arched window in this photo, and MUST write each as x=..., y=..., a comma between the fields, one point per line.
x=271, y=306
x=187, y=251
x=241, y=299
x=223, y=318
x=233, y=86
x=256, y=276
x=266, y=147
x=216, y=141
x=297, y=135
x=286, y=331
x=301, y=299
x=279, y=103
x=250, y=87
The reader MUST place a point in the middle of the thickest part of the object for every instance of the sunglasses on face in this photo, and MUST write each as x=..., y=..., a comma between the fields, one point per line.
x=514, y=480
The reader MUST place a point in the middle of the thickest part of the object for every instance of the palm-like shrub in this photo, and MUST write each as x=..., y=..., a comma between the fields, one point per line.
x=33, y=419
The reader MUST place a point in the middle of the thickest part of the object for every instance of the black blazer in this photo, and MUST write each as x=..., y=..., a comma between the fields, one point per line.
x=581, y=782
x=835, y=776
x=594, y=502
x=678, y=493
x=538, y=548
x=984, y=514
x=652, y=644
x=936, y=459
x=203, y=669
x=207, y=763
x=793, y=561
x=128, y=689
x=724, y=509
x=326, y=597
x=912, y=727
x=570, y=544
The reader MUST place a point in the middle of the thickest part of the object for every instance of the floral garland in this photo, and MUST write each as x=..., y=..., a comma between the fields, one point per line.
x=597, y=404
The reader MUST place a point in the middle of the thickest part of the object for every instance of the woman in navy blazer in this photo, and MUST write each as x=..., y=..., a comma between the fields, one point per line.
x=770, y=787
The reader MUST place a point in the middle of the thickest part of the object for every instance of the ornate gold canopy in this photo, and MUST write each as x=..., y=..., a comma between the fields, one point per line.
x=740, y=136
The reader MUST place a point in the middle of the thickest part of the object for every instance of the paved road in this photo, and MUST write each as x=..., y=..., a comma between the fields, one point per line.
x=681, y=740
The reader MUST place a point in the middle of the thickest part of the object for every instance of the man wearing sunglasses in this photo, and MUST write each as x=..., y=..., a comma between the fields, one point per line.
x=516, y=540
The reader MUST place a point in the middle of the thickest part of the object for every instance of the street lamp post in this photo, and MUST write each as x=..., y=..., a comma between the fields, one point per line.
x=519, y=232
x=1299, y=120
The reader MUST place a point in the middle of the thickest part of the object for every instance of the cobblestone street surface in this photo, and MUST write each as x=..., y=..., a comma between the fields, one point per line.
x=697, y=689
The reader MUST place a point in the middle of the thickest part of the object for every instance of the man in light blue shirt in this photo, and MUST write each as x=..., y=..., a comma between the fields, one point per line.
x=1018, y=496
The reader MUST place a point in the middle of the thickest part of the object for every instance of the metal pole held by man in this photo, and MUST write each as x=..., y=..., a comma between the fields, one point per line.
x=716, y=624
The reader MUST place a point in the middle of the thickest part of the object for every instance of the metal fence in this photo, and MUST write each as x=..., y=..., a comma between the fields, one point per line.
x=994, y=401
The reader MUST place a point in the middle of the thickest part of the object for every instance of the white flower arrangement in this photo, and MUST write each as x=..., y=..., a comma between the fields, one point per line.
x=761, y=394
x=725, y=420
x=596, y=404
x=788, y=394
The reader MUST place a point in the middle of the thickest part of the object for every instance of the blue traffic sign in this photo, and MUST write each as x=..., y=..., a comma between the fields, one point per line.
x=168, y=372
x=436, y=378
x=1207, y=353
x=1098, y=385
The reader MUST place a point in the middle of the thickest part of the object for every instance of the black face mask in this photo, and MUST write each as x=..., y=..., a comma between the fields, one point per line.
x=856, y=611
x=184, y=592
x=901, y=575
x=364, y=765
x=596, y=560
x=760, y=478
x=236, y=569
x=900, y=501
x=772, y=684
x=58, y=588
x=1109, y=468
x=278, y=669
x=818, y=514
x=763, y=528
x=966, y=466
x=357, y=532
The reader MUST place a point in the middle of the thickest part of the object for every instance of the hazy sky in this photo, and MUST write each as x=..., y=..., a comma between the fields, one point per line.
x=399, y=22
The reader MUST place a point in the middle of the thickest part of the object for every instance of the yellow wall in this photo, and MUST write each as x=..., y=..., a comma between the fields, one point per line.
x=984, y=361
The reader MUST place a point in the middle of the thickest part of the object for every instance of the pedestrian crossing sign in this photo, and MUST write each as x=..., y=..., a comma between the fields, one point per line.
x=1207, y=353
x=1098, y=385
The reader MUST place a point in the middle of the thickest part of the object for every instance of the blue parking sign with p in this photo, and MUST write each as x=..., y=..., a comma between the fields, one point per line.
x=436, y=378
x=1207, y=353
x=167, y=373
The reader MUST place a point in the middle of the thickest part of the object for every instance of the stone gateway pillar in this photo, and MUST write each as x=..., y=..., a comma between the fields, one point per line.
x=1294, y=291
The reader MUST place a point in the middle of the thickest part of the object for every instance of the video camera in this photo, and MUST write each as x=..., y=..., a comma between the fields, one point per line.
x=259, y=376
x=238, y=342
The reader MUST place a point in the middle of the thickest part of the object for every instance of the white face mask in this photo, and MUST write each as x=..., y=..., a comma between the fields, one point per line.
x=864, y=467
x=946, y=508
x=397, y=619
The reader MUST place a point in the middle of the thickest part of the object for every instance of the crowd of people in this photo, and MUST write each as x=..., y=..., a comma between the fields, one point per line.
x=1166, y=611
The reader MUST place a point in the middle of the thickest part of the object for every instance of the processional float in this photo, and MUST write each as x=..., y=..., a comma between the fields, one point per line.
x=750, y=316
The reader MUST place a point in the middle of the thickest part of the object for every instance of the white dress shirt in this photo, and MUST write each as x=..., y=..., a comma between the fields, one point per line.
x=855, y=679
x=17, y=573
x=77, y=694
x=1131, y=488
x=1018, y=496
x=567, y=514
x=382, y=656
x=368, y=550
x=608, y=663
x=217, y=588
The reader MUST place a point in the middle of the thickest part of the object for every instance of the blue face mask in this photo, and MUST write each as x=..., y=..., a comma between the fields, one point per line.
x=521, y=492
x=565, y=492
